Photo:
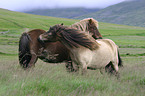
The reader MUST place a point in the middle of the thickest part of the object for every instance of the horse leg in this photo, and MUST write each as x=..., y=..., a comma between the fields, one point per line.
x=115, y=67
x=83, y=66
x=32, y=61
x=112, y=69
x=102, y=70
x=69, y=66
x=76, y=67
x=109, y=68
x=116, y=73
x=84, y=69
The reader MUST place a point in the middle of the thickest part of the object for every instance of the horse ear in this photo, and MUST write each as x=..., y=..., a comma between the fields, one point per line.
x=61, y=23
x=90, y=21
x=50, y=27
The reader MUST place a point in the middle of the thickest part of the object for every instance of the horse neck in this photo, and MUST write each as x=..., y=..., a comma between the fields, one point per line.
x=80, y=26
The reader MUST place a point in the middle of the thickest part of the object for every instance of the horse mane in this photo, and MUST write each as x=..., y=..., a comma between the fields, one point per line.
x=75, y=38
x=83, y=24
x=90, y=26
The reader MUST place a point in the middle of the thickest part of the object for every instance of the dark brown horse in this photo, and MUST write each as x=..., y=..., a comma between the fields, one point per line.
x=30, y=48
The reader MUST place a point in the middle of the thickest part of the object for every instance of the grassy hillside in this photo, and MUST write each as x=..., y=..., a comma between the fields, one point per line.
x=128, y=13
x=10, y=19
x=62, y=12
x=14, y=23
x=53, y=79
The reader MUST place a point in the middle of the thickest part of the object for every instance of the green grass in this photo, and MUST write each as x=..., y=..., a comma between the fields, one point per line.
x=53, y=79
x=17, y=20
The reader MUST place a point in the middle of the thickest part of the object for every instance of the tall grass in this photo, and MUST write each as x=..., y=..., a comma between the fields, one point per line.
x=53, y=80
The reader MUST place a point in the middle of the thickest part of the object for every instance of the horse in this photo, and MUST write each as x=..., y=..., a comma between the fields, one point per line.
x=85, y=51
x=30, y=48
x=88, y=25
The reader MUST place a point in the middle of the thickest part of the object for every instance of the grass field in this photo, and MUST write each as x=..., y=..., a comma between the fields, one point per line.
x=53, y=79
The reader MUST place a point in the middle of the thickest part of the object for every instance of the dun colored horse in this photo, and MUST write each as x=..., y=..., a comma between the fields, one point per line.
x=30, y=48
x=85, y=51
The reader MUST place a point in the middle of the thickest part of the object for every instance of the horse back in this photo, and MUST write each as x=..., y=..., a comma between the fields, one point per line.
x=109, y=43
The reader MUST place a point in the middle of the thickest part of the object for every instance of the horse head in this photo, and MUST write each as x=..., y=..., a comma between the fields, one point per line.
x=93, y=29
x=90, y=26
x=52, y=35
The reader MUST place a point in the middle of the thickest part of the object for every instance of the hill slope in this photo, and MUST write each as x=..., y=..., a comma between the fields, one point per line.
x=13, y=24
x=128, y=13
x=12, y=20
x=62, y=12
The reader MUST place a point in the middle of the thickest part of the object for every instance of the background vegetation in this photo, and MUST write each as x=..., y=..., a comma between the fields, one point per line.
x=131, y=12
x=63, y=12
x=128, y=13
x=53, y=79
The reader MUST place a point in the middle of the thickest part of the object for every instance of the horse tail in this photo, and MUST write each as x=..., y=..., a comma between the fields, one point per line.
x=24, y=50
x=119, y=61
